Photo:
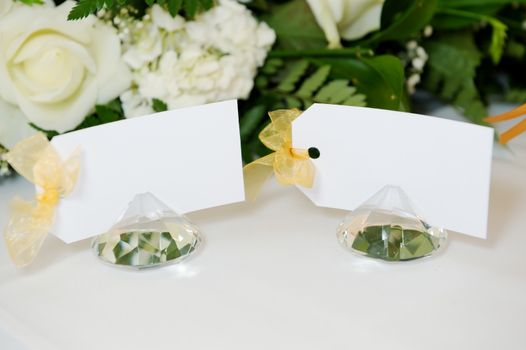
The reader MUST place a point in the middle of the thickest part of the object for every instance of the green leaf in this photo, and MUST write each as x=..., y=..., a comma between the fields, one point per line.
x=251, y=119
x=295, y=26
x=452, y=65
x=293, y=102
x=477, y=3
x=314, y=82
x=190, y=8
x=106, y=114
x=466, y=14
x=295, y=72
x=174, y=6
x=272, y=65
x=380, y=78
x=207, y=4
x=32, y=2
x=498, y=39
x=313, y=88
x=83, y=9
x=328, y=92
x=357, y=100
x=402, y=19
x=158, y=105
x=338, y=92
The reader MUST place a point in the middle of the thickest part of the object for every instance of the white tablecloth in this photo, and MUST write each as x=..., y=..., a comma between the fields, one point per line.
x=272, y=275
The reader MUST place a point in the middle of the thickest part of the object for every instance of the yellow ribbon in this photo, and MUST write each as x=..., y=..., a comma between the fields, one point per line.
x=29, y=222
x=515, y=130
x=291, y=166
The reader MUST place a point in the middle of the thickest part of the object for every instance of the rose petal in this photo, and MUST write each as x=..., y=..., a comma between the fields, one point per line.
x=14, y=126
x=324, y=16
x=63, y=116
x=361, y=20
x=113, y=75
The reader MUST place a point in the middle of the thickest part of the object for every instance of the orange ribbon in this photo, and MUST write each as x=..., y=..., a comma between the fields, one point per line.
x=291, y=166
x=516, y=130
x=29, y=222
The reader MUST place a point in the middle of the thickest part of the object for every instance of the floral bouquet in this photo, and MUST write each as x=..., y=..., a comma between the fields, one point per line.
x=67, y=65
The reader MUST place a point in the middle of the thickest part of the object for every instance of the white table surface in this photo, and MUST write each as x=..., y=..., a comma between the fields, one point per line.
x=272, y=275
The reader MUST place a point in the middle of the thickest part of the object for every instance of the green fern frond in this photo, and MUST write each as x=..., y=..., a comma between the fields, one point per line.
x=299, y=85
x=174, y=6
x=314, y=82
x=498, y=39
x=295, y=71
x=187, y=7
x=339, y=92
x=451, y=72
x=84, y=8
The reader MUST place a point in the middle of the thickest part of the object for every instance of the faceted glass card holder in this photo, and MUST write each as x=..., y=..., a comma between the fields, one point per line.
x=148, y=234
x=387, y=227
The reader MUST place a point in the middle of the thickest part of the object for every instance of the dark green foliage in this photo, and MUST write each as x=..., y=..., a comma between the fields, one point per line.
x=452, y=68
x=380, y=78
x=403, y=19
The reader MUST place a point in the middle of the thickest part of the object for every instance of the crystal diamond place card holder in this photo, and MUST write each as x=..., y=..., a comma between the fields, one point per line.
x=387, y=227
x=383, y=166
x=148, y=234
x=139, y=176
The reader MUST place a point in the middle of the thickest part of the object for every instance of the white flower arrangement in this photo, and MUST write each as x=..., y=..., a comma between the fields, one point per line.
x=184, y=63
x=53, y=72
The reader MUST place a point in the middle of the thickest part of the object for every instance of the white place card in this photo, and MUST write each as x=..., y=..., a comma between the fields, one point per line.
x=444, y=166
x=189, y=158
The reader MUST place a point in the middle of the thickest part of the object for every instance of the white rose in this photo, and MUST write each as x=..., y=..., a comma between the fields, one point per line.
x=5, y=6
x=56, y=70
x=13, y=125
x=350, y=19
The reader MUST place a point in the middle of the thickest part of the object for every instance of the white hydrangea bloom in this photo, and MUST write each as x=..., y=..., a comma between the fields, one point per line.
x=183, y=63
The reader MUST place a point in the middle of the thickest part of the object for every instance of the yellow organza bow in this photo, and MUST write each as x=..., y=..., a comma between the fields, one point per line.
x=291, y=166
x=515, y=130
x=29, y=222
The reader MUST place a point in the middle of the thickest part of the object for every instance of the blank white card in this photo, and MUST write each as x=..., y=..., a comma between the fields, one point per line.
x=189, y=158
x=444, y=166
